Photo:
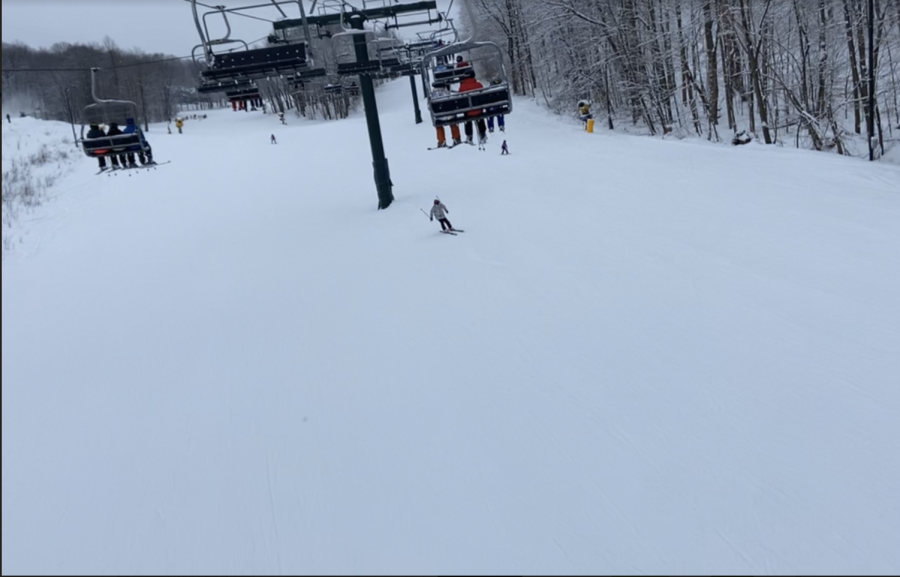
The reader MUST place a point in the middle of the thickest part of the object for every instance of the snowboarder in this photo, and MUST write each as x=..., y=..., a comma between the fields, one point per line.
x=440, y=211
x=503, y=149
x=272, y=140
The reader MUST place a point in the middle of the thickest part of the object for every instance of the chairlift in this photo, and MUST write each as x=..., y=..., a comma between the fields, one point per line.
x=286, y=56
x=385, y=55
x=345, y=52
x=333, y=88
x=449, y=108
x=247, y=90
x=106, y=112
x=446, y=35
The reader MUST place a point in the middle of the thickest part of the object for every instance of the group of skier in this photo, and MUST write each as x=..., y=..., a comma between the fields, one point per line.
x=140, y=150
x=483, y=126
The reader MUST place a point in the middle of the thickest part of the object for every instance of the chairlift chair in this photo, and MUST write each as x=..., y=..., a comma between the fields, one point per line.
x=333, y=88
x=344, y=46
x=446, y=109
x=106, y=112
x=287, y=56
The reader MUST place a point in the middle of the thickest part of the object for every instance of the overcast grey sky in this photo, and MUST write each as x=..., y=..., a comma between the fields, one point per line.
x=165, y=26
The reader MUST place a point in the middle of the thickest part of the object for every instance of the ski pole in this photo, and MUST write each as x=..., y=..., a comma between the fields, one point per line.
x=423, y=212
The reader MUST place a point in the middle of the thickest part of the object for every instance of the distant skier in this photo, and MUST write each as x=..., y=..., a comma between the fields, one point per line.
x=8, y=119
x=281, y=117
x=440, y=211
x=272, y=140
x=503, y=149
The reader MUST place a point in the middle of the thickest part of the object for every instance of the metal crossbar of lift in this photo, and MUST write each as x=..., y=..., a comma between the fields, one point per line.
x=245, y=93
x=472, y=105
x=112, y=145
x=231, y=85
x=257, y=63
x=337, y=12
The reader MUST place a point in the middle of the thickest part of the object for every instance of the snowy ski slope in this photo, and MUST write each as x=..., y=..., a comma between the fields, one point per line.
x=642, y=356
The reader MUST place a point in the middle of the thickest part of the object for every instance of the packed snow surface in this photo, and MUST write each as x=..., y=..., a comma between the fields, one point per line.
x=641, y=356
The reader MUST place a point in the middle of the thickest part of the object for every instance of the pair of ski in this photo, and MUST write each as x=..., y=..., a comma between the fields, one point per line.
x=453, y=231
x=120, y=169
x=449, y=147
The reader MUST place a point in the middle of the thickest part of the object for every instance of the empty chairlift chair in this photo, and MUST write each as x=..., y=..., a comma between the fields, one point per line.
x=226, y=69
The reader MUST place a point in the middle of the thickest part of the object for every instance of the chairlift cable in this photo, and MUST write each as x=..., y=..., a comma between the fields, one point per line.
x=283, y=15
x=174, y=58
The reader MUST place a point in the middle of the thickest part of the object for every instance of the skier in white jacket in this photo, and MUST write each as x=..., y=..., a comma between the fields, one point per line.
x=440, y=211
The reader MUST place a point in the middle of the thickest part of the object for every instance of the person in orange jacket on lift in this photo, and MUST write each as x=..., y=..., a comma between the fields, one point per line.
x=469, y=83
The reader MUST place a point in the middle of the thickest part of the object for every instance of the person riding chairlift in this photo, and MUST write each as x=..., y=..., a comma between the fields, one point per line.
x=114, y=130
x=96, y=132
x=131, y=128
x=469, y=83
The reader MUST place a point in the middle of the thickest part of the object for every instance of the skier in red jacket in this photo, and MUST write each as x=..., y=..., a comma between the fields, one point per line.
x=469, y=83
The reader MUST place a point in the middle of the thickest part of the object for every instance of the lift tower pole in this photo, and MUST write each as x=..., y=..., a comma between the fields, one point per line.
x=383, y=183
x=356, y=20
